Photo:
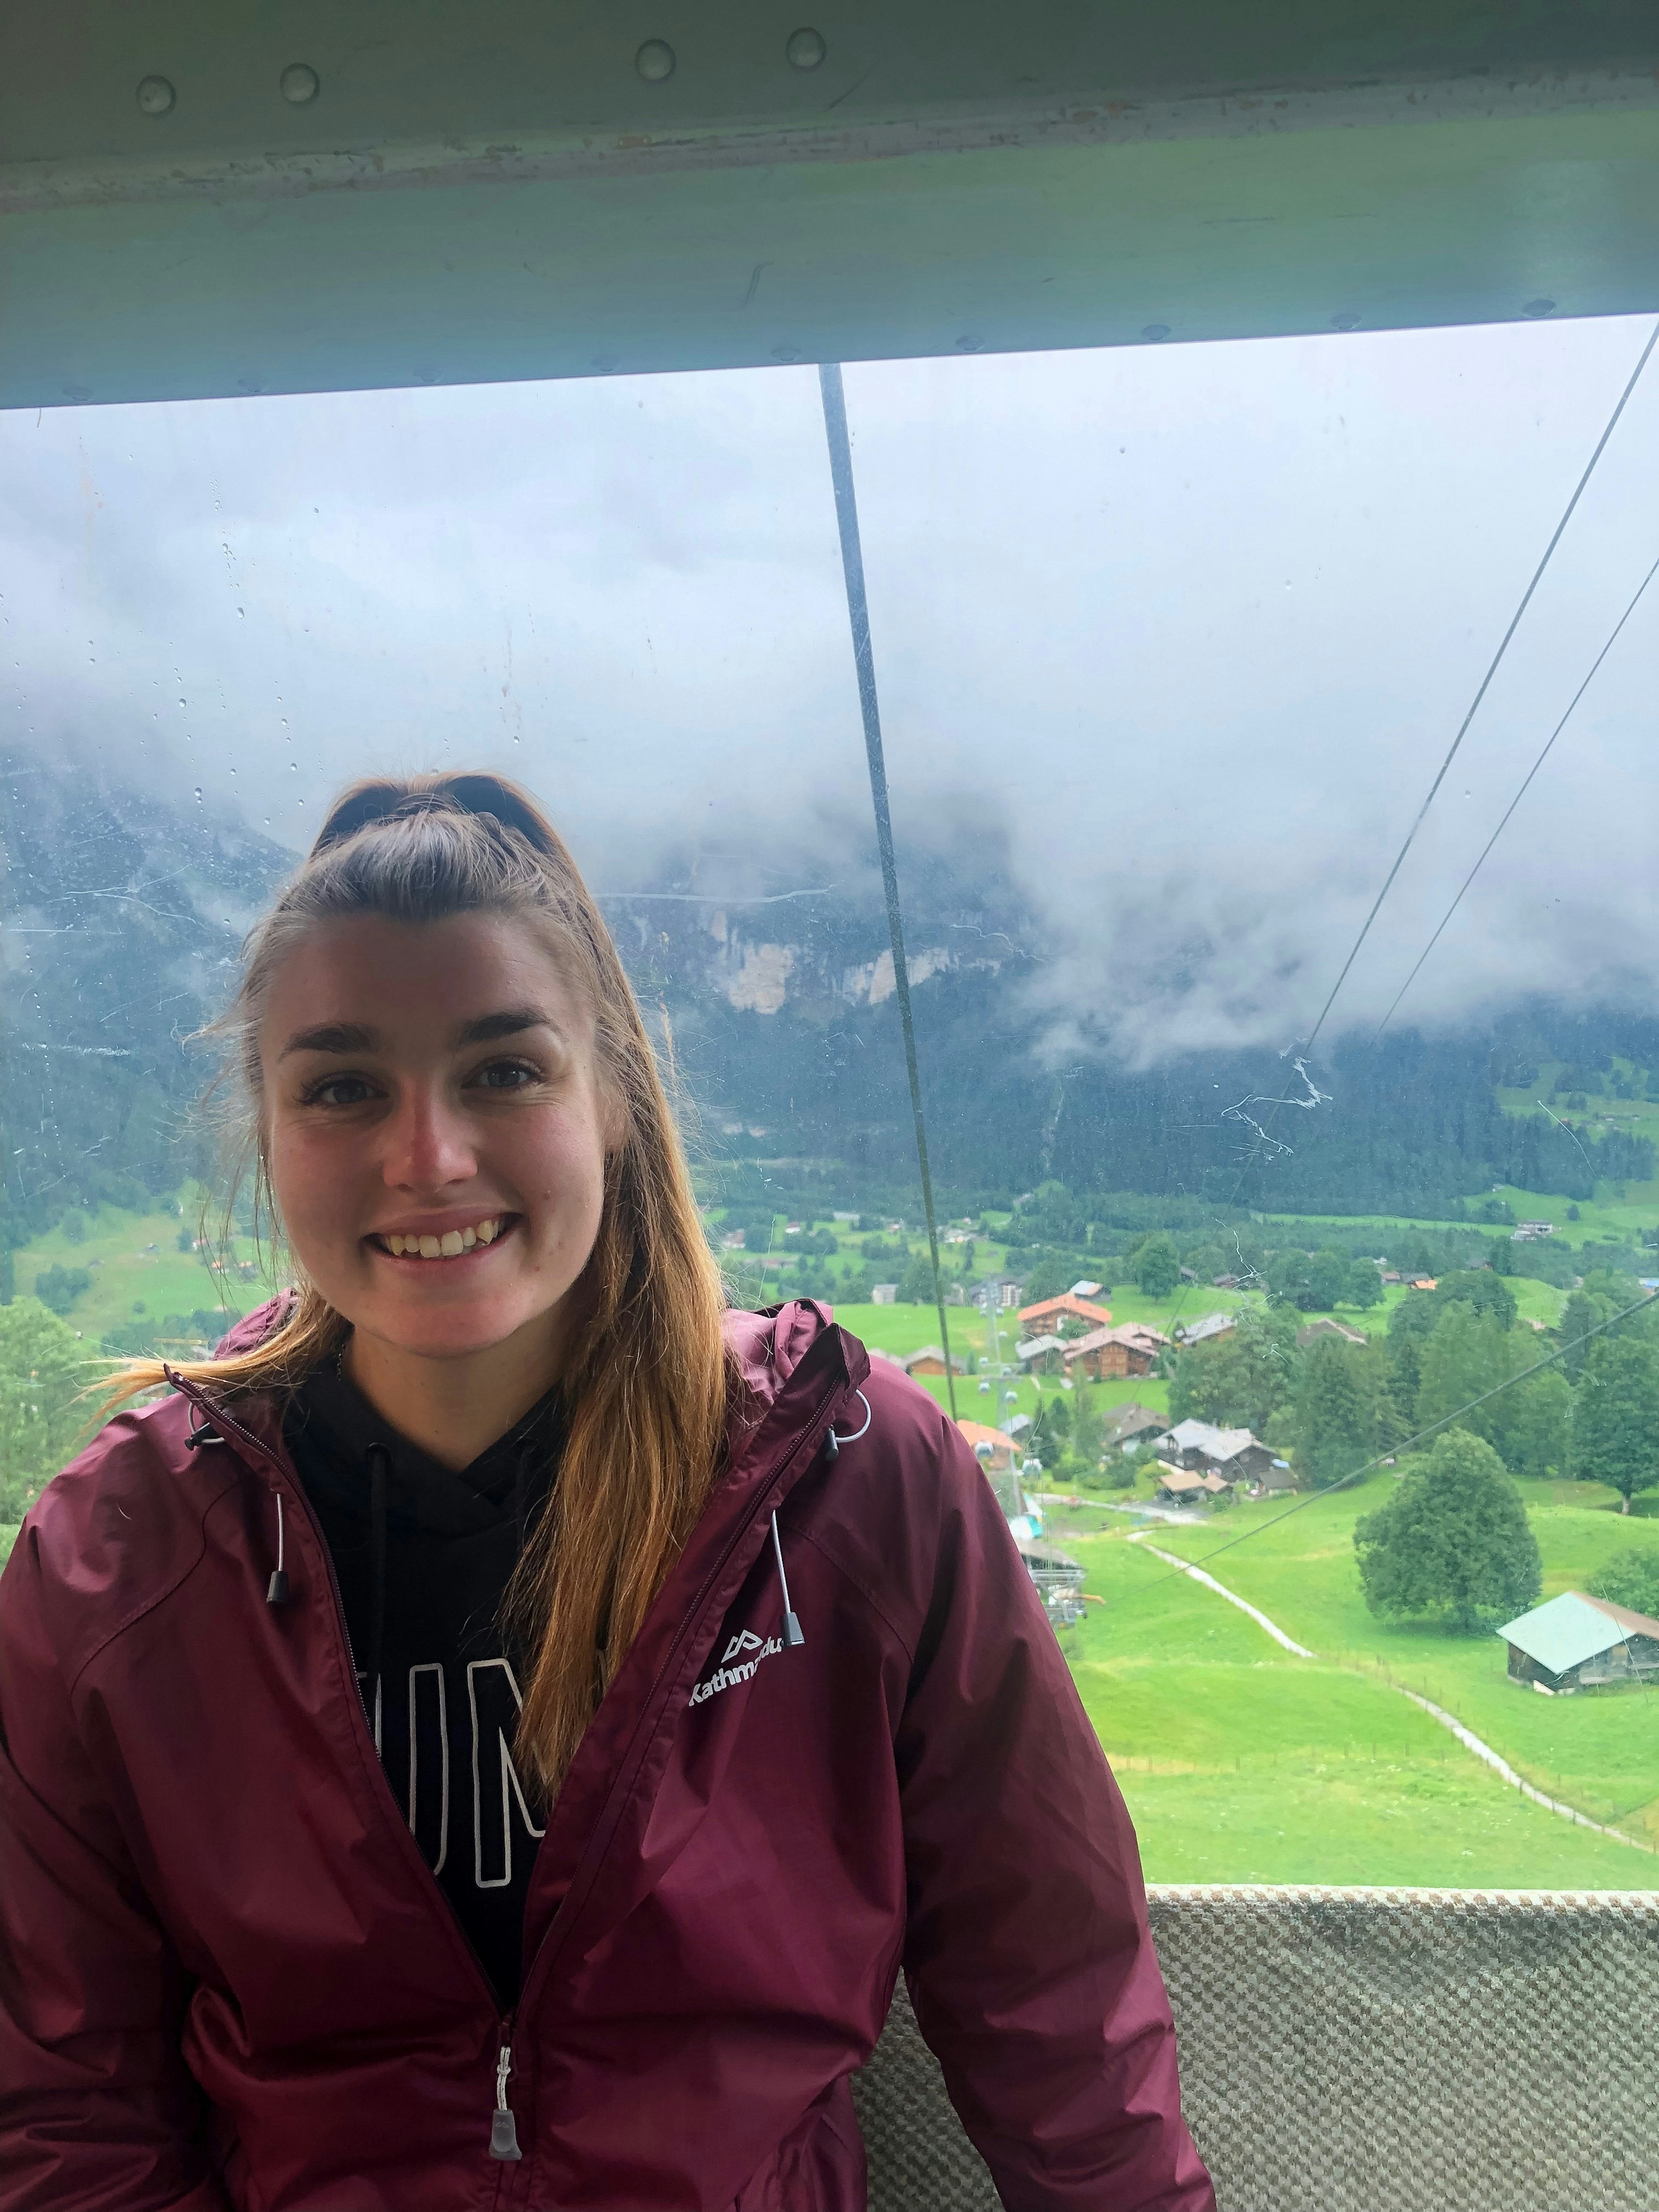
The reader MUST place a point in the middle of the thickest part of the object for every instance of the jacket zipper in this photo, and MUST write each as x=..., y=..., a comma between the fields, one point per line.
x=503, y=2129
x=503, y=2126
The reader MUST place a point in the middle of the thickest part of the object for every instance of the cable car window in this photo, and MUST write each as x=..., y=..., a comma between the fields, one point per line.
x=1264, y=731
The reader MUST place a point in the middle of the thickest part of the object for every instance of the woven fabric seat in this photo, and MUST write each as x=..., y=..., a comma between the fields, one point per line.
x=1366, y=2050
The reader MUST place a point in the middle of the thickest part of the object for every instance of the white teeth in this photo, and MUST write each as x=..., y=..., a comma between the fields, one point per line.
x=449, y=1246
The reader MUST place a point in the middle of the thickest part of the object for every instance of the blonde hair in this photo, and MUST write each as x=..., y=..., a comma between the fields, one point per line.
x=645, y=1384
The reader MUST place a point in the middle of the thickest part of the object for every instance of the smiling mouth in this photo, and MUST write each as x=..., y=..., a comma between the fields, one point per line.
x=454, y=1244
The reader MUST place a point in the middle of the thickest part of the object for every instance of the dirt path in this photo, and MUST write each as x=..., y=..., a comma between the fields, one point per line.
x=1471, y=1742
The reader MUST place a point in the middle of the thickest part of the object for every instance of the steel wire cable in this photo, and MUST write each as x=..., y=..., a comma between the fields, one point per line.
x=1485, y=681
x=1265, y=1129
x=858, y=610
x=1525, y=783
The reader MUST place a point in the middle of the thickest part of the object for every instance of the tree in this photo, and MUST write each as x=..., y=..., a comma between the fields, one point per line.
x=915, y=1287
x=1468, y=1354
x=1088, y=1429
x=1337, y=1416
x=1158, y=1267
x=1239, y=1381
x=1325, y=1282
x=1532, y=1427
x=1615, y=1423
x=1048, y=1432
x=59, y=1287
x=1454, y=1541
x=42, y=1368
x=1363, y=1287
x=1630, y=1579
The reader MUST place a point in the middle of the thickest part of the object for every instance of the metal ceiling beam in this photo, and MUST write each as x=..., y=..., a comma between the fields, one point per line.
x=466, y=194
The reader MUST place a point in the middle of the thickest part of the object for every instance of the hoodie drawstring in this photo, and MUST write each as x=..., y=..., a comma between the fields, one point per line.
x=380, y=1460
x=793, y=1635
x=276, y=1588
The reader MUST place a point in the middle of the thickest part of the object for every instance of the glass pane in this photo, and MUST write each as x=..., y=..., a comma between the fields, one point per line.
x=1169, y=644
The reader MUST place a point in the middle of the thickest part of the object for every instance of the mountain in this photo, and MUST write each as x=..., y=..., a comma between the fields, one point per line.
x=775, y=1013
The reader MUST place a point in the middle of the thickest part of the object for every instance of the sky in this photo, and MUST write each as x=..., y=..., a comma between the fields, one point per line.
x=1178, y=635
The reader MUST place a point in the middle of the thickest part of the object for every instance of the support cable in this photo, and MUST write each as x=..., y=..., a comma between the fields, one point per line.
x=1503, y=646
x=1411, y=835
x=852, y=562
x=1519, y=796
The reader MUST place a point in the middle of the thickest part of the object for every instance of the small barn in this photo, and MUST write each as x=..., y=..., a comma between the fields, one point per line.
x=1200, y=1448
x=929, y=1360
x=1314, y=1329
x=1577, y=1643
x=1178, y=1486
x=1129, y=1425
x=1208, y=1329
x=1040, y=1355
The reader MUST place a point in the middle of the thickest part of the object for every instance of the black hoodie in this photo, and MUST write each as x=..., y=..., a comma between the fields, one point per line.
x=447, y=1698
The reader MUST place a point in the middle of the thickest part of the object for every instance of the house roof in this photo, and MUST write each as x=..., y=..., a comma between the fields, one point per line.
x=977, y=1434
x=1215, y=1324
x=1131, y=1420
x=1177, y=1479
x=1567, y=1629
x=1218, y=1444
x=1314, y=1330
x=1032, y=1347
x=929, y=1352
x=1079, y=1309
x=1134, y=1333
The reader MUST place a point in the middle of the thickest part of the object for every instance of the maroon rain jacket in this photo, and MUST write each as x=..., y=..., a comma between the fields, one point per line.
x=228, y=1978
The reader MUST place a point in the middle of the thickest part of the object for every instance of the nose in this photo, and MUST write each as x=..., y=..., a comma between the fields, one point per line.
x=428, y=1142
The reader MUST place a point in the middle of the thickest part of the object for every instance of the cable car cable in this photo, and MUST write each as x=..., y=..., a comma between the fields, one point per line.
x=858, y=610
x=1518, y=797
x=1515, y=624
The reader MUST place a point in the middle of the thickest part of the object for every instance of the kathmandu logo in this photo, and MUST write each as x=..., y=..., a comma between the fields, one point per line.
x=728, y=1675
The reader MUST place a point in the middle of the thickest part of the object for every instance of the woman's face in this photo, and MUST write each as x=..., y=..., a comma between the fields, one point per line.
x=435, y=1126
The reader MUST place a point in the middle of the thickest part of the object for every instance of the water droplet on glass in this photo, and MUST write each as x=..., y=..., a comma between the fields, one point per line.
x=156, y=95
x=299, y=83
x=655, y=60
x=804, y=49
x=198, y=794
x=285, y=721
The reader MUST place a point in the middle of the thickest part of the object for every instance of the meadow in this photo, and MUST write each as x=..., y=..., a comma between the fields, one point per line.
x=1242, y=1762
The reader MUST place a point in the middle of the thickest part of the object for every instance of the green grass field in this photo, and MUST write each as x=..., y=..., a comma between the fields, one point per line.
x=138, y=1270
x=1368, y=1788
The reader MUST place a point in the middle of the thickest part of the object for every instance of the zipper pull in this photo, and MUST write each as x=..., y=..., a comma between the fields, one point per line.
x=503, y=2130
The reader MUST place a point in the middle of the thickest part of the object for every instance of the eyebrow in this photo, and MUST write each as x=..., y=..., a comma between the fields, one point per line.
x=510, y=1021
x=357, y=1036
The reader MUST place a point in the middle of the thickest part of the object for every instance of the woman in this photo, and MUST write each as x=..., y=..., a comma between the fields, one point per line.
x=493, y=1734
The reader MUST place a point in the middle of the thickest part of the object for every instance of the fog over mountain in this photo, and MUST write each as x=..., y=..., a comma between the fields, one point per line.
x=1170, y=642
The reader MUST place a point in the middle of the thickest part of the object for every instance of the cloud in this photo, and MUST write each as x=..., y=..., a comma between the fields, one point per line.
x=1176, y=636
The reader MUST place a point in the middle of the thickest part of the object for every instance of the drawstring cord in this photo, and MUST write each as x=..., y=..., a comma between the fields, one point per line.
x=380, y=1460
x=276, y=1588
x=793, y=1635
